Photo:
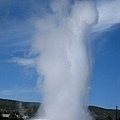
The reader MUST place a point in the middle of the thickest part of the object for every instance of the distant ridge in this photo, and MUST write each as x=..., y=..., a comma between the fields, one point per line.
x=30, y=108
x=15, y=100
x=23, y=108
x=14, y=104
x=103, y=113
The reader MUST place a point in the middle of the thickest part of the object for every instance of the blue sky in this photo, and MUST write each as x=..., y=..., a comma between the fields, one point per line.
x=105, y=80
x=16, y=31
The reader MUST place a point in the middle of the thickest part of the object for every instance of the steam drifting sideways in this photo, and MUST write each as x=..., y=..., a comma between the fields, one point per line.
x=64, y=61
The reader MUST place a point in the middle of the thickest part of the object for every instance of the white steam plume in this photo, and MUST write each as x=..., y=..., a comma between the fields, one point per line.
x=108, y=14
x=64, y=59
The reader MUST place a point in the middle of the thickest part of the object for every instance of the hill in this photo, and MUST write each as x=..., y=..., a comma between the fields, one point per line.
x=30, y=108
x=104, y=114
x=23, y=108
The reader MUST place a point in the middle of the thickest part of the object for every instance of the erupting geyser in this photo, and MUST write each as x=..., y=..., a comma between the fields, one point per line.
x=64, y=62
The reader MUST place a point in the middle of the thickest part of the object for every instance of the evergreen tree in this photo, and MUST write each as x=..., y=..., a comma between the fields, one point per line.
x=13, y=117
x=1, y=114
x=108, y=117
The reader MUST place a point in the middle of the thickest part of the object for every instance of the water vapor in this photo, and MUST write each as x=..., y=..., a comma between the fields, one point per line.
x=64, y=60
x=108, y=14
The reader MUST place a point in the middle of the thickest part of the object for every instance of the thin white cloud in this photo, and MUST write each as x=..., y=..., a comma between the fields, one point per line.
x=6, y=92
x=15, y=32
x=20, y=93
x=16, y=90
x=108, y=14
x=23, y=61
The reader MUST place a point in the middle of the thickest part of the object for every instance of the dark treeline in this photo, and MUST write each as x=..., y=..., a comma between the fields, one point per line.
x=18, y=110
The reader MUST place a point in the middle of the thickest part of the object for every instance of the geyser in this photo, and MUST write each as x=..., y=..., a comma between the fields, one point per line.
x=64, y=59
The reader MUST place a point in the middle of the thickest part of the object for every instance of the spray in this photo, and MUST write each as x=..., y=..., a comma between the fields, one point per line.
x=64, y=60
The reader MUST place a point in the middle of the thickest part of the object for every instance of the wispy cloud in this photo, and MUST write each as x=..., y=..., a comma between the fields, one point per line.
x=23, y=61
x=6, y=92
x=20, y=93
x=16, y=90
x=108, y=14
x=15, y=33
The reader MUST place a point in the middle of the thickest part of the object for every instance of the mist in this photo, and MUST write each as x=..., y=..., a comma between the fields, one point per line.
x=62, y=46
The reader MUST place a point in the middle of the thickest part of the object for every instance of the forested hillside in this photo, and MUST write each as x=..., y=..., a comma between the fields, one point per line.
x=30, y=109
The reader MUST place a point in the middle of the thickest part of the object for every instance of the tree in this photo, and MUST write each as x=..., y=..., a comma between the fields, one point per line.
x=13, y=117
x=1, y=114
x=108, y=117
x=20, y=118
x=99, y=119
x=118, y=118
